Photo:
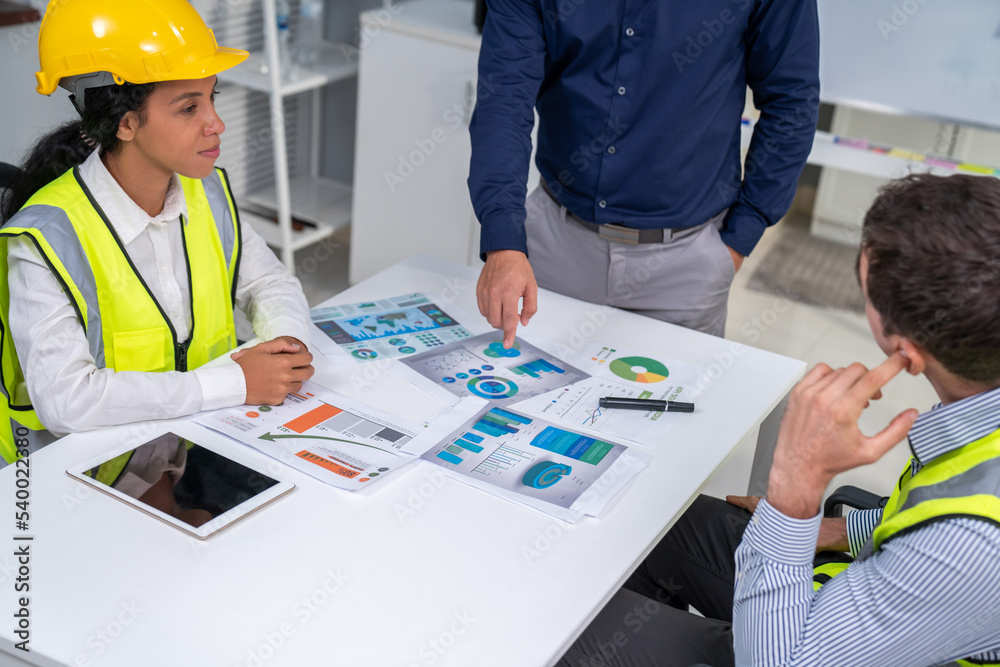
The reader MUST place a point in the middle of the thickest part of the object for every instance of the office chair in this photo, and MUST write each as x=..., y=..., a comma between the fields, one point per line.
x=851, y=496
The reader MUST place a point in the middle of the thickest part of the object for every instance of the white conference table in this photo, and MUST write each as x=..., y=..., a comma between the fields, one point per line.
x=417, y=570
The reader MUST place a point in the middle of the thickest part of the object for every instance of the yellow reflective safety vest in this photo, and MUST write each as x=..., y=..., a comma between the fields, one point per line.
x=958, y=484
x=126, y=329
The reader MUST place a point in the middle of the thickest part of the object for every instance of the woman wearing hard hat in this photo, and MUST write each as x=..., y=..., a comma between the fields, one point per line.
x=125, y=251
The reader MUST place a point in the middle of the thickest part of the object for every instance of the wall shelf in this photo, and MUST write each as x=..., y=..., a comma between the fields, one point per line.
x=332, y=65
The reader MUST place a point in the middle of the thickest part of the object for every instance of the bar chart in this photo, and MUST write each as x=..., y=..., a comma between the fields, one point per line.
x=536, y=368
x=502, y=460
x=494, y=424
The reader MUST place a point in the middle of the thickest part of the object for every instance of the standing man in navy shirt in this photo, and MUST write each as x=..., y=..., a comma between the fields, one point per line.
x=643, y=203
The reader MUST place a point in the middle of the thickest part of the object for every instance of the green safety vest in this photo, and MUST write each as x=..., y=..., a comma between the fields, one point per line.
x=126, y=328
x=961, y=483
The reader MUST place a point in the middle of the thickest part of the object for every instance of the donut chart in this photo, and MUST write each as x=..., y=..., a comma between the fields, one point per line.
x=363, y=353
x=545, y=474
x=490, y=387
x=639, y=369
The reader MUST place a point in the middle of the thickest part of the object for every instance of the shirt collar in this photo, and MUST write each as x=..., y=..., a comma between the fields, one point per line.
x=945, y=428
x=127, y=218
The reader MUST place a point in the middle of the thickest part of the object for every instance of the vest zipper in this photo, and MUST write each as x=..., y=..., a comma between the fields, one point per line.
x=181, y=355
x=182, y=348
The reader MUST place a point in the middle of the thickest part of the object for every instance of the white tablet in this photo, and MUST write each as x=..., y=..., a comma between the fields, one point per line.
x=187, y=484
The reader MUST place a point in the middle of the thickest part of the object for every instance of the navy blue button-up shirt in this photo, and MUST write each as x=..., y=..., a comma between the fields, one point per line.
x=639, y=105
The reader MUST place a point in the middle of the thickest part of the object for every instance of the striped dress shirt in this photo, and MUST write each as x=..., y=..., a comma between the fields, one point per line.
x=926, y=598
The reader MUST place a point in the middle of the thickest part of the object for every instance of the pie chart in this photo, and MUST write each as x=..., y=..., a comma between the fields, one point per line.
x=639, y=369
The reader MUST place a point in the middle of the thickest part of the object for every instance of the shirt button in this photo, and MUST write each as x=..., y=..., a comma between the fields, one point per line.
x=621, y=90
x=611, y=150
x=629, y=32
x=603, y=203
x=165, y=269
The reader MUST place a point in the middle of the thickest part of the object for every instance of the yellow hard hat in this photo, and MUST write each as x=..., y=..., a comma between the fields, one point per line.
x=138, y=41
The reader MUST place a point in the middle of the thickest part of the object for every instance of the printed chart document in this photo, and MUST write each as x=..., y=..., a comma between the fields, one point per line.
x=385, y=329
x=618, y=373
x=340, y=441
x=565, y=473
x=481, y=367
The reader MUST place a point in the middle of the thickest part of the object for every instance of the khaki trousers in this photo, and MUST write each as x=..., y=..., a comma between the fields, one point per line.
x=684, y=280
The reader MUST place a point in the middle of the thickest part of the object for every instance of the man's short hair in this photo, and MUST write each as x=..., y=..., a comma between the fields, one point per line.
x=933, y=249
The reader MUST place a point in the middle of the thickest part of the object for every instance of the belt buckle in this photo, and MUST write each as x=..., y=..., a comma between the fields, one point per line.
x=618, y=233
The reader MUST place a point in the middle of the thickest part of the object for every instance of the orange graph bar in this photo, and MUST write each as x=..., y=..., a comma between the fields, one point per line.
x=312, y=418
x=329, y=465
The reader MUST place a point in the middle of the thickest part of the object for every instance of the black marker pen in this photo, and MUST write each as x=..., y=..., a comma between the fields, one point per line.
x=645, y=404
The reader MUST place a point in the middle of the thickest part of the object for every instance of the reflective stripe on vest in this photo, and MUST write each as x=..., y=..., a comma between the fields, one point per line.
x=962, y=483
x=126, y=328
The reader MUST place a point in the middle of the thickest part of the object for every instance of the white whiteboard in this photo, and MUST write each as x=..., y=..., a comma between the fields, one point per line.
x=937, y=59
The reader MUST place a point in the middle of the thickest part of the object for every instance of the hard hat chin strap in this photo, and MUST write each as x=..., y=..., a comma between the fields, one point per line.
x=78, y=85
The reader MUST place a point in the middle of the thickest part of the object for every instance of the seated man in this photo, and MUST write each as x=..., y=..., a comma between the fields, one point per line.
x=924, y=587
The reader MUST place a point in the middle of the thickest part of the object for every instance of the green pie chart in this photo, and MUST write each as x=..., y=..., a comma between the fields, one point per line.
x=639, y=369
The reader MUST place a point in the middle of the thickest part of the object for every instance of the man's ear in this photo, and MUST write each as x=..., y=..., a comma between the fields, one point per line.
x=916, y=356
x=128, y=126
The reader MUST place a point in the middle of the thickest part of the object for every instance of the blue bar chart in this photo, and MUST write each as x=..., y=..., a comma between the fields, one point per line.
x=536, y=368
x=494, y=424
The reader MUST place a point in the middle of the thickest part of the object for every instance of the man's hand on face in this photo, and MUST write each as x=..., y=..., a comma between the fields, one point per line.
x=819, y=435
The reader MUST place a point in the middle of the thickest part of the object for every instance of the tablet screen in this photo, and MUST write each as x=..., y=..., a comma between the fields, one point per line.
x=185, y=480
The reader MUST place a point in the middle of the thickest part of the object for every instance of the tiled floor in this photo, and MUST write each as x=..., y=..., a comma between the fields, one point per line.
x=773, y=323
x=815, y=335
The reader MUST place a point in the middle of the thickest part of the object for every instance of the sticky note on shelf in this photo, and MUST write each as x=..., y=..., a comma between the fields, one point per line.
x=906, y=155
x=976, y=168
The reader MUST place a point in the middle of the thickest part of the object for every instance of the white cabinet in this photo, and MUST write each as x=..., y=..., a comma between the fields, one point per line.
x=416, y=93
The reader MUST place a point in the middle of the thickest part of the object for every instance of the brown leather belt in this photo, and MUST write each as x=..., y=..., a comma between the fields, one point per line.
x=613, y=231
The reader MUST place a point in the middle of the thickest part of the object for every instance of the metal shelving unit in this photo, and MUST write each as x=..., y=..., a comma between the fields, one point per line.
x=324, y=205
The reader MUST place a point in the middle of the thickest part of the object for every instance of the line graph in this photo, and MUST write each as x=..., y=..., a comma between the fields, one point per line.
x=593, y=416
